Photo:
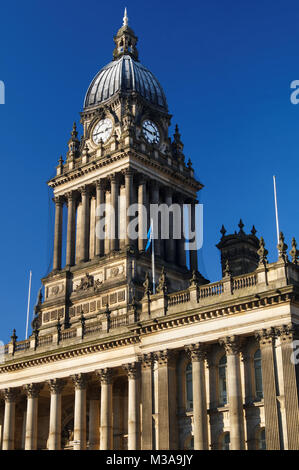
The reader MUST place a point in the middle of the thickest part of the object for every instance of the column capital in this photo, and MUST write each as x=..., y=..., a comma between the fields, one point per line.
x=105, y=376
x=84, y=190
x=132, y=370
x=80, y=381
x=114, y=178
x=129, y=172
x=70, y=196
x=164, y=357
x=33, y=390
x=56, y=385
x=197, y=352
x=10, y=394
x=266, y=336
x=100, y=184
x=58, y=200
x=231, y=344
x=286, y=333
x=146, y=360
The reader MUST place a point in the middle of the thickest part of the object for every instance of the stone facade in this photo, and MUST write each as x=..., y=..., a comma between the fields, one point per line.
x=111, y=364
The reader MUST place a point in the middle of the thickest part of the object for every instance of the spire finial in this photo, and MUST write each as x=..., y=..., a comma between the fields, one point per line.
x=125, y=18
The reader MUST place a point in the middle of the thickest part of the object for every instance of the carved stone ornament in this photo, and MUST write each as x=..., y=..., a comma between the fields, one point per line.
x=266, y=336
x=105, y=376
x=79, y=381
x=197, y=352
x=86, y=283
x=10, y=394
x=231, y=344
x=132, y=370
x=56, y=385
x=146, y=360
x=163, y=285
x=32, y=390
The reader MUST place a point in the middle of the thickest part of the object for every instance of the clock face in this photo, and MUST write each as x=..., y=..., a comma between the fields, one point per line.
x=151, y=132
x=102, y=130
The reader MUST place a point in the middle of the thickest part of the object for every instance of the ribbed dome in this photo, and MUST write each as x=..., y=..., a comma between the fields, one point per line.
x=125, y=75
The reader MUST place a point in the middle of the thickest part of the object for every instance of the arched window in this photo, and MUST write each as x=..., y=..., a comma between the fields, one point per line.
x=225, y=441
x=222, y=381
x=189, y=390
x=258, y=380
x=262, y=439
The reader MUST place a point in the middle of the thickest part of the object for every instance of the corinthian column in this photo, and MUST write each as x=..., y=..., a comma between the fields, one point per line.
x=32, y=392
x=167, y=423
x=85, y=216
x=266, y=338
x=71, y=229
x=142, y=215
x=100, y=201
x=170, y=244
x=80, y=383
x=114, y=213
x=287, y=336
x=10, y=395
x=236, y=418
x=57, y=234
x=133, y=401
x=129, y=200
x=147, y=402
x=56, y=386
x=200, y=416
x=106, y=435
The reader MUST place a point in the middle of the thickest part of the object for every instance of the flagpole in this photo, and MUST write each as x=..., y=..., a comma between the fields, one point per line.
x=276, y=209
x=28, y=305
x=153, y=259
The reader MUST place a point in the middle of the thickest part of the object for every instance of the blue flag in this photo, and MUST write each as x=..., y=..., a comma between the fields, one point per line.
x=149, y=238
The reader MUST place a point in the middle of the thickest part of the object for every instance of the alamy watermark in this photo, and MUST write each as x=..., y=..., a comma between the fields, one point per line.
x=169, y=222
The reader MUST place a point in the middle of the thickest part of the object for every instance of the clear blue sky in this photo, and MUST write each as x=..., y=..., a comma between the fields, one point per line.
x=226, y=68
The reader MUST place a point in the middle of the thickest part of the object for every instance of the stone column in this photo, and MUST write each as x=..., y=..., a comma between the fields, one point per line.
x=193, y=253
x=170, y=244
x=57, y=234
x=80, y=383
x=100, y=201
x=142, y=214
x=106, y=435
x=200, y=415
x=71, y=229
x=114, y=214
x=32, y=392
x=266, y=338
x=85, y=216
x=235, y=401
x=94, y=419
x=147, y=402
x=129, y=200
x=10, y=395
x=167, y=421
x=287, y=336
x=56, y=386
x=133, y=404
x=181, y=242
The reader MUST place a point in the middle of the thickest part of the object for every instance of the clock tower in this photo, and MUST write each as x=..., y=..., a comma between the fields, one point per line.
x=124, y=165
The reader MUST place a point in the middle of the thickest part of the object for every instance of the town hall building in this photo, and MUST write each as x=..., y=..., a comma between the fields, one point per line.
x=117, y=361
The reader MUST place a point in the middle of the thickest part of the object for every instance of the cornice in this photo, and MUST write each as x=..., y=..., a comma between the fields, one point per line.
x=120, y=155
x=137, y=330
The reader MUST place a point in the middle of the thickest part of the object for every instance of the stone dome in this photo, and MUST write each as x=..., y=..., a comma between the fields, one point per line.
x=126, y=75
